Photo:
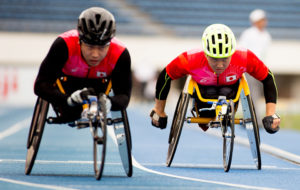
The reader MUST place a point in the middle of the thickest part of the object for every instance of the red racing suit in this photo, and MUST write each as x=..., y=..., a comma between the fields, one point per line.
x=76, y=65
x=194, y=63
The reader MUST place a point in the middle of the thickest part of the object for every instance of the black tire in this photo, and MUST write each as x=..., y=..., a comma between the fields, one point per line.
x=125, y=150
x=100, y=134
x=253, y=135
x=36, y=132
x=177, y=124
x=228, y=136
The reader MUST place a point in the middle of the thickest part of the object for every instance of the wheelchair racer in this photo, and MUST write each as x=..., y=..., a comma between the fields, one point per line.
x=217, y=70
x=81, y=62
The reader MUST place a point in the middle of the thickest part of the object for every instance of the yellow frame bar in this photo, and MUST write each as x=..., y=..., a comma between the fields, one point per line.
x=193, y=85
x=206, y=120
x=61, y=89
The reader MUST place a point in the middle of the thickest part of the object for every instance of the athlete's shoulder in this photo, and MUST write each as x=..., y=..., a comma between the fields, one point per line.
x=196, y=58
x=194, y=52
x=116, y=42
x=240, y=53
x=240, y=50
x=70, y=34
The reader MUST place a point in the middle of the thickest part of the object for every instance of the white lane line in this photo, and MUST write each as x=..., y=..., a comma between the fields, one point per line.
x=15, y=128
x=182, y=165
x=138, y=165
x=35, y=184
x=55, y=162
x=12, y=130
x=263, y=147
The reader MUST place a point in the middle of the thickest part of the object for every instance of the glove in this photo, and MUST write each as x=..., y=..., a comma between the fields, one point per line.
x=78, y=96
x=268, y=121
x=105, y=98
x=161, y=120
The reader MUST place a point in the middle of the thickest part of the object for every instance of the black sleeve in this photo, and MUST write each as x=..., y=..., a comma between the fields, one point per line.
x=270, y=89
x=50, y=70
x=121, y=82
x=163, y=85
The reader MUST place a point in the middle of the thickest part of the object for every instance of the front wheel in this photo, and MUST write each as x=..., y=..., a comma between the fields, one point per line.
x=228, y=136
x=177, y=124
x=99, y=136
x=36, y=132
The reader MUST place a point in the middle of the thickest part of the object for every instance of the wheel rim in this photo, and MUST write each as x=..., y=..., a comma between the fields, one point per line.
x=228, y=137
x=253, y=135
x=35, y=134
x=177, y=125
x=99, y=150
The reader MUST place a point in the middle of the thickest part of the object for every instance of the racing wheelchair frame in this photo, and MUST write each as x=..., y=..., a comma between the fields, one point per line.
x=97, y=123
x=224, y=119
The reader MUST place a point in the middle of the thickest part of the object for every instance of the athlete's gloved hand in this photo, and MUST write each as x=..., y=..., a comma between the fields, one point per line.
x=268, y=121
x=162, y=121
x=78, y=96
x=103, y=97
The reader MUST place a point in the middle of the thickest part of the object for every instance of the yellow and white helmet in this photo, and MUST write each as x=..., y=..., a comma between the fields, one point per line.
x=218, y=41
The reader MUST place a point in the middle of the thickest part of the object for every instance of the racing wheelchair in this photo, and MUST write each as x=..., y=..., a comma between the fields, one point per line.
x=224, y=118
x=96, y=120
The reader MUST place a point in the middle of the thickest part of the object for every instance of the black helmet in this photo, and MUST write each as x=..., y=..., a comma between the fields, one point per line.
x=96, y=26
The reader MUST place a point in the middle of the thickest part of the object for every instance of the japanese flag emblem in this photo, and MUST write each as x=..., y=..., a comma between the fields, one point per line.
x=230, y=78
x=101, y=74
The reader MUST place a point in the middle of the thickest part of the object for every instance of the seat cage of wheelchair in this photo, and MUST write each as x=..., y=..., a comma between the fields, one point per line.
x=192, y=87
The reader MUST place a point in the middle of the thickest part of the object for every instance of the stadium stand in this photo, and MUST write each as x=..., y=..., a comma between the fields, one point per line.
x=189, y=17
x=183, y=18
x=58, y=15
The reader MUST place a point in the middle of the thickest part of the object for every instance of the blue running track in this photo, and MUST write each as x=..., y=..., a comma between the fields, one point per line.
x=65, y=158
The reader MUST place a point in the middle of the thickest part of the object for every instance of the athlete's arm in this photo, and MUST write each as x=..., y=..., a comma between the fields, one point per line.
x=270, y=89
x=50, y=70
x=270, y=92
x=259, y=70
x=174, y=70
x=163, y=85
x=121, y=82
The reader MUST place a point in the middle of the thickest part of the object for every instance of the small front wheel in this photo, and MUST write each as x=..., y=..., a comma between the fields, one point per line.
x=228, y=136
x=99, y=135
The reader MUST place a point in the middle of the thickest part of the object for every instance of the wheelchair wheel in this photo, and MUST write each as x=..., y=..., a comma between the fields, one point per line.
x=228, y=136
x=99, y=133
x=253, y=134
x=122, y=132
x=177, y=124
x=36, y=132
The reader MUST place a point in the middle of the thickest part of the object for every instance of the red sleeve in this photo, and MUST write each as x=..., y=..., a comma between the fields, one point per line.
x=177, y=68
x=255, y=67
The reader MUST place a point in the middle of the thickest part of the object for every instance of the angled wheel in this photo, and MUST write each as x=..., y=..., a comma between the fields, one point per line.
x=228, y=136
x=252, y=130
x=177, y=124
x=123, y=137
x=36, y=132
x=99, y=135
